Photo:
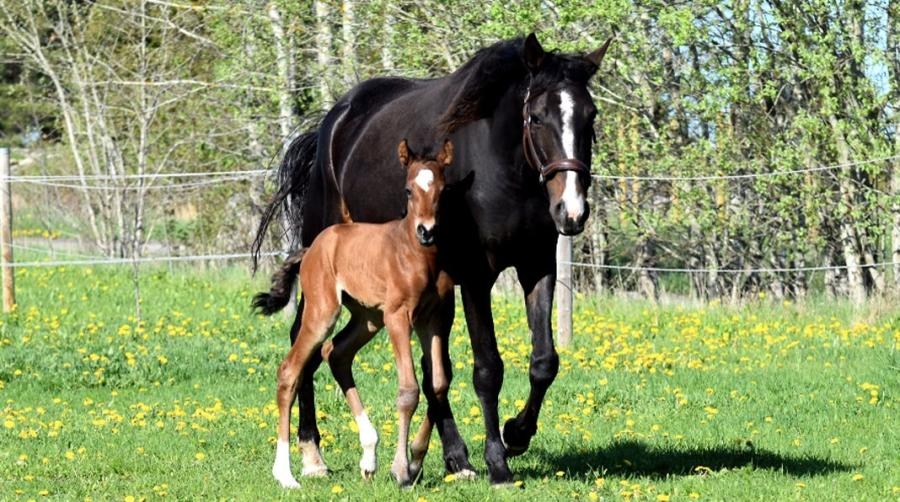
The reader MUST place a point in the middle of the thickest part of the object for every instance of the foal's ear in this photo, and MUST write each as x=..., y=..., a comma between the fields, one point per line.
x=403, y=152
x=533, y=53
x=445, y=157
x=597, y=56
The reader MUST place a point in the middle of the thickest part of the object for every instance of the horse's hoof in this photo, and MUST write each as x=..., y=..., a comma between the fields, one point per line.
x=367, y=475
x=466, y=475
x=319, y=471
x=514, y=441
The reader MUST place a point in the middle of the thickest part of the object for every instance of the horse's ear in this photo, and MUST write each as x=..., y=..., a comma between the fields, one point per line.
x=533, y=53
x=403, y=152
x=445, y=157
x=597, y=56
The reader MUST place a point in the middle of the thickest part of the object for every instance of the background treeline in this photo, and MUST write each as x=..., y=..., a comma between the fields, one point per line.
x=704, y=94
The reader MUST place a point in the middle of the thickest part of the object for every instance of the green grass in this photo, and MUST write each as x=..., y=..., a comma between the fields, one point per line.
x=768, y=401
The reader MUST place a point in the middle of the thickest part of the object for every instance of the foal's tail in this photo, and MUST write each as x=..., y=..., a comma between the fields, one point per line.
x=282, y=285
x=293, y=181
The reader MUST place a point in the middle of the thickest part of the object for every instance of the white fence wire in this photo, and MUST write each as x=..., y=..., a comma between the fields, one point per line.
x=213, y=177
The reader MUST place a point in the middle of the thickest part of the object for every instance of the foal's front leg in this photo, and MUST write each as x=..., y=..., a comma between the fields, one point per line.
x=399, y=329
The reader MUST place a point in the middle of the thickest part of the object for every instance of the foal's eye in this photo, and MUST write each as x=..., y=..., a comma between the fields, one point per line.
x=408, y=192
x=535, y=121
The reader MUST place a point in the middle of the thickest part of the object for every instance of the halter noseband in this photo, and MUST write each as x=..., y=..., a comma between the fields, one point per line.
x=546, y=171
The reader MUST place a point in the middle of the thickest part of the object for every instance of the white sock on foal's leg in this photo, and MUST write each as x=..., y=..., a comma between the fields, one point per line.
x=368, y=439
x=282, y=467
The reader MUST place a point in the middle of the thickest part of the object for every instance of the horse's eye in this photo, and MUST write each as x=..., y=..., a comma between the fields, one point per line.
x=408, y=192
x=535, y=121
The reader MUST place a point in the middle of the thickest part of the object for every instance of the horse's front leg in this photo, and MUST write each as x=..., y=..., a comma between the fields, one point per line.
x=487, y=375
x=538, y=289
x=437, y=373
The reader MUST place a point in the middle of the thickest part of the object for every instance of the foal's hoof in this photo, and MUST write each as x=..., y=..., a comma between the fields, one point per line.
x=415, y=472
x=515, y=440
x=367, y=475
x=285, y=479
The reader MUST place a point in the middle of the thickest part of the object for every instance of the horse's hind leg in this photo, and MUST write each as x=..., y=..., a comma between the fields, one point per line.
x=339, y=354
x=314, y=329
x=437, y=373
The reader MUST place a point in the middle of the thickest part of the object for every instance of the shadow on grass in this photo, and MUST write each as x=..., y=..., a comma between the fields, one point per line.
x=635, y=458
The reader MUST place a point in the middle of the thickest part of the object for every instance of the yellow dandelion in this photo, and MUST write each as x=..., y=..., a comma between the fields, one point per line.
x=70, y=455
x=858, y=477
x=199, y=456
x=449, y=478
x=662, y=497
x=337, y=489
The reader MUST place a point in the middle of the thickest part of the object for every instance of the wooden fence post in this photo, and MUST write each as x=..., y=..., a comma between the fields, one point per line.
x=6, y=254
x=564, y=290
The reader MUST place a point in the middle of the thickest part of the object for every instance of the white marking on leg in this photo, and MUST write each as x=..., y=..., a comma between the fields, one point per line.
x=574, y=201
x=424, y=179
x=282, y=467
x=368, y=439
x=313, y=463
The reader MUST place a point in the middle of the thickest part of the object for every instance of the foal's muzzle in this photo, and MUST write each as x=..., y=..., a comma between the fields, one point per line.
x=425, y=235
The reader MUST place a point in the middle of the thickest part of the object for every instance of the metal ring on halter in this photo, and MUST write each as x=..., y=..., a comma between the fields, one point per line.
x=546, y=171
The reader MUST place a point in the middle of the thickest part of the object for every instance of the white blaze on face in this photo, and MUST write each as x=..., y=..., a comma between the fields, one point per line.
x=572, y=200
x=424, y=179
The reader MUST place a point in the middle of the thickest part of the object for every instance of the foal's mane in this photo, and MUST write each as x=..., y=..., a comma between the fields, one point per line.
x=479, y=84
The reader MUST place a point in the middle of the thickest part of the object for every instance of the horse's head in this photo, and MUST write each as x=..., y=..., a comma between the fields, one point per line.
x=424, y=183
x=558, y=129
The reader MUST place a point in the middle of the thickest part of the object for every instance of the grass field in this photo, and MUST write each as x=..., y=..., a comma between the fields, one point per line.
x=769, y=401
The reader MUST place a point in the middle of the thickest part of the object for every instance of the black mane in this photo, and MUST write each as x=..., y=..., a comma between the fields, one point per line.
x=483, y=80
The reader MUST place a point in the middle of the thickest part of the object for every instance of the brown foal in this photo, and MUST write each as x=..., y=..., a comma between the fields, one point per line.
x=389, y=267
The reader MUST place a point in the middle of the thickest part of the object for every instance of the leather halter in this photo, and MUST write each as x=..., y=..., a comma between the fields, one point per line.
x=546, y=171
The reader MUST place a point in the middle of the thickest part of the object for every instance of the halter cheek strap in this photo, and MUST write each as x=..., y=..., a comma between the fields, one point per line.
x=546, y=171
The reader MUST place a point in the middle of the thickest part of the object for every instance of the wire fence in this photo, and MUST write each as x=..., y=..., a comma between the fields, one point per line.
x=88, y=182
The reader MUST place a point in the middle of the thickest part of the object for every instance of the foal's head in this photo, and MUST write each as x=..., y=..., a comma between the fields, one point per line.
x=424, y=183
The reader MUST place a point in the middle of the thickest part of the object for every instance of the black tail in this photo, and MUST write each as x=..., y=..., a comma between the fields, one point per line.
x=282, y=285
x=293, y=181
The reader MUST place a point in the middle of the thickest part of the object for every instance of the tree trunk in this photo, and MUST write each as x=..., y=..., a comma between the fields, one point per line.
x=348, y=46
x=284, y=61
x=323, y=52
x=849, y=241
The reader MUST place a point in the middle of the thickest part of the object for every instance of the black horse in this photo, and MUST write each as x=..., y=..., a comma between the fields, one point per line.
x=522, y=122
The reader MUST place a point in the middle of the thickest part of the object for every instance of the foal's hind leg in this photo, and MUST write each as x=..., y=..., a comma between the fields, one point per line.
x=308, y=437
x=315, y=328
x=358, y=332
